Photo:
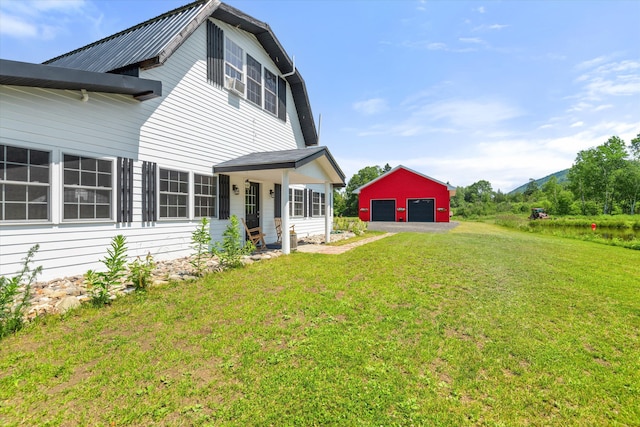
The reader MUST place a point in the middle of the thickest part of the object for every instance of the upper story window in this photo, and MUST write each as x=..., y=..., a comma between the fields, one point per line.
x=87, y=187
x=254, y=81
x=205, y=190
x=270, y=92
x=226, y=60
x=234, y=60
x=24, y=184
x=174, y=193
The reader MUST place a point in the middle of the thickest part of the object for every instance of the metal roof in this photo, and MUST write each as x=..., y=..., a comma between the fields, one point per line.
x=143, y=44
x=150, y=43
x=37, y=75
x=449, y=186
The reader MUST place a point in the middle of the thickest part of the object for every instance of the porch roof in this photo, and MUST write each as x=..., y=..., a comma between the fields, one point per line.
x=313, y=165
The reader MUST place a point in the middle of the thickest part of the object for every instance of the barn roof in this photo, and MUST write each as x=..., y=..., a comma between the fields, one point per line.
x=449, y=186
x=151, y=43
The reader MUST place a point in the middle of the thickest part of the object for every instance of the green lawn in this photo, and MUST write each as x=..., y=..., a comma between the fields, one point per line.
x=478, y=326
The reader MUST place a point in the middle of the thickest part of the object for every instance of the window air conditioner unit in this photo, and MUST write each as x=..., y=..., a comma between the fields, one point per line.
x=234, y=85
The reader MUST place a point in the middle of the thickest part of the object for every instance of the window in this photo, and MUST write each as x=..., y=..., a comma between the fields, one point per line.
x=254, y=81
x=24, y=184
x=318, y=204
x=205, y=195
x=87, y=187
x=270, y=92
x=234, y=60
x=296, y=199
x=174, y=193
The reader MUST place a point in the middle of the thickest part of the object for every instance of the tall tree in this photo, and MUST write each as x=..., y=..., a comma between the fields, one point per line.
x=592, y=175
x=627, y=180
x=364, y=175
x=480, y=191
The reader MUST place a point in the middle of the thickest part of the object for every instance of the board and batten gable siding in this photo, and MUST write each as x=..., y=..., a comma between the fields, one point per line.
x=193, y=126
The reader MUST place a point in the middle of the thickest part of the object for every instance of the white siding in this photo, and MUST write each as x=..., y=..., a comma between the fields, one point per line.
x=193, y=126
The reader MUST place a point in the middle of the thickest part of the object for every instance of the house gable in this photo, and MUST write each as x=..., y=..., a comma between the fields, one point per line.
x=153, y=42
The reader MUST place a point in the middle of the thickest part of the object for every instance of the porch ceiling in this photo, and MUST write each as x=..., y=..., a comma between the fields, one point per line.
x=306, y=166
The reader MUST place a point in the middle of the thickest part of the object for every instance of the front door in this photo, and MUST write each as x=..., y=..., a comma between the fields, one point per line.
x=252, y=205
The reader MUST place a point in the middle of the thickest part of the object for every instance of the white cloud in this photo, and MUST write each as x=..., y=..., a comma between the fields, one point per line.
x=41, y=19
x=468, y=113
x=371, y=106
x=481, y=9
x=577, y=124
x=471, y=40
x=16, y=27
x=491, y=27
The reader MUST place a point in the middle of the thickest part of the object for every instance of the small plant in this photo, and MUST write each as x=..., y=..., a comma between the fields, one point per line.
x=99, y=283
x=231, y=250
x=140, y=272
x=200, y=241
x=355, y=225
x=12, y=311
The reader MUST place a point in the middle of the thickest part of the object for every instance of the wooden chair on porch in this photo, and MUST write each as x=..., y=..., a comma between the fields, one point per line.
x=278, y=222
x=256, y=236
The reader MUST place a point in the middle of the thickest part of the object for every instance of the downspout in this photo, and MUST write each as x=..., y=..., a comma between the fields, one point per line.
x=293, y=71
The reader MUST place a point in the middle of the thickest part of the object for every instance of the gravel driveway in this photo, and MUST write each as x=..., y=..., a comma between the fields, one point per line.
x=414, y=227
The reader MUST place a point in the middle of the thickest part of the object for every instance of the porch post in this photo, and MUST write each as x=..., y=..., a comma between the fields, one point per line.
x=284, y=203
x=328, y=210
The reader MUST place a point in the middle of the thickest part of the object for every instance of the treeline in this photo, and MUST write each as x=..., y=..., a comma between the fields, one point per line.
x=602, y=180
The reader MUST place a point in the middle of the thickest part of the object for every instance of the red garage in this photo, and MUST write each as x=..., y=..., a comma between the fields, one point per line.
x=404, y=195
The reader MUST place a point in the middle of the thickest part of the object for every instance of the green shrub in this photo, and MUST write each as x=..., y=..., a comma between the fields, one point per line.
x=140, y=272
x=201, y=241
x=12, y=304
x=231, y=250
x=353, y=224
x=99, y=283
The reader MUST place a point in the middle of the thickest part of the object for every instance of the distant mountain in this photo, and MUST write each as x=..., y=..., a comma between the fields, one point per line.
x=561, y=176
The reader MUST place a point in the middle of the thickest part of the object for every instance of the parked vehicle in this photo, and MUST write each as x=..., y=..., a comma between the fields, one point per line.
x=538, y=213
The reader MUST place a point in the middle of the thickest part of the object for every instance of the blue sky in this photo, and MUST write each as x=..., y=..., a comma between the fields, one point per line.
x=458, y=90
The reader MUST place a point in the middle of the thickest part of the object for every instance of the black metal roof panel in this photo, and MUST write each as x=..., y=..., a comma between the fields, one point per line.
x=285, y=159
x=46, y=76
x=146, y=44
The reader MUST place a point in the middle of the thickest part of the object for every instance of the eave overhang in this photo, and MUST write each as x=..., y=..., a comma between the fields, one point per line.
x=306, y=166
x=15, y=73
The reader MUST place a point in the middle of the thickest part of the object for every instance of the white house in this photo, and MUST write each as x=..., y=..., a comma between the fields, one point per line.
x=196, y=113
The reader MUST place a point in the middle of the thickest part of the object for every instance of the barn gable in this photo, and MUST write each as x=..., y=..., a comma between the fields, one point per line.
x=403, y=195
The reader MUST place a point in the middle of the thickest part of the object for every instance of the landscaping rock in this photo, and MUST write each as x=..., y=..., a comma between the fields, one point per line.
x=67, y=304
x=63, y=294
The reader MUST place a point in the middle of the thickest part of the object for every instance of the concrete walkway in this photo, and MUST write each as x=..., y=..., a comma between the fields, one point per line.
x=336, y=250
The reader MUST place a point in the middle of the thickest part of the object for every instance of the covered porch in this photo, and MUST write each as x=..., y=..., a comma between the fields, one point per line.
x=314, y=166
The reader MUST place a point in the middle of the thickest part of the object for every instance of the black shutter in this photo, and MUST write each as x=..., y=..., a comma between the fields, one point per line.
x=277, y=209
x=310, y=203
x=215, y=54
x=125, y=189
x=149, y=192
x=282, y=99
x=225, y=196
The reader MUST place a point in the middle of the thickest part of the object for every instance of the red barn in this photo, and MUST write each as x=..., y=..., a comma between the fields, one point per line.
x=405, y=195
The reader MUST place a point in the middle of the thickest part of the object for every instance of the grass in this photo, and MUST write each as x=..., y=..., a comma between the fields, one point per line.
x=479, y=326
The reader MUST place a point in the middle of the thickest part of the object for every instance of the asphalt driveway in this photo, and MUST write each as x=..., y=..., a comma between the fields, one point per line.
x=414, y=227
